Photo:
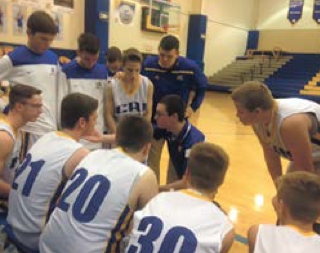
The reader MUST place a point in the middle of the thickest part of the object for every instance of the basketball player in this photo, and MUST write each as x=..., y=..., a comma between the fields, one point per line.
x=297, y=204
x=25, y=105
x=172, y=74
x=285, y=127
x=187, y=220
x=180, y=136
x=96, y=207
x=37, y=66
x=39, y=180
x=130, y=94
x=114, y=60
x=86, y=76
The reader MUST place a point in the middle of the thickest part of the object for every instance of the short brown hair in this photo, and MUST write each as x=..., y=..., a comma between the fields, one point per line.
x=174, y=104
x=132, y=54
x=42, y=22
x=89, y=42
x=252, y=95
x=207, y=164
x=300, y=192
x=113, y=54
x=133, y=133
x=169, y=42
x=75, y=106
x=19, y=93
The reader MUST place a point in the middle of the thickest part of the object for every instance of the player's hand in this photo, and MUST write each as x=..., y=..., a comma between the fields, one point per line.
x=189, y=112
x=119, y=75
x=95, y=137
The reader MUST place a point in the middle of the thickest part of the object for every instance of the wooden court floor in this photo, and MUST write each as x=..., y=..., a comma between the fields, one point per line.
x=247, y=191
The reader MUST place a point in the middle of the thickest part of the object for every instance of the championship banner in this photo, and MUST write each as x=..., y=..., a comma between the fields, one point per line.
x=316, y=11
x=295, y=10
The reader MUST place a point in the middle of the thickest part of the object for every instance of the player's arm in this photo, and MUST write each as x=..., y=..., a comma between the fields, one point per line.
x=5, y=67
x=273, y=161
x=200, y=86
x=176, y=185
x=145, y=189
x=295, y=135
x=189, y=110
x=6, y=147
x=97, y=137
x=271, y=157
x=148, y=113
x=110, y=121
x=74, y=160
x=227, y=241
x=252, y=235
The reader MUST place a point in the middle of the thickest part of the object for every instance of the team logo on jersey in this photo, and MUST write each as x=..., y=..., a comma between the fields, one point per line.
x=180, y=78
x=131, y=107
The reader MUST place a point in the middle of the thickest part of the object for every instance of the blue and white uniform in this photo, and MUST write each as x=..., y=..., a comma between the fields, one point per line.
x=183, y=221
x=93, y=212
x=180, y=146
x=130, y=104
x=91, y=82
x=12, y=162
x=286, y=108
x=184, y=76
x=37, y=186
x=273, y=238
x=41, y=71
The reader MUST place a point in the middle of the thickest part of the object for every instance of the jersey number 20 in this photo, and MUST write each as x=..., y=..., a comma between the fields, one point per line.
x=95, y=188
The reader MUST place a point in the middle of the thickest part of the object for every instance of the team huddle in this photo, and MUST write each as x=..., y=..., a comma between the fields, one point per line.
x=81, y=147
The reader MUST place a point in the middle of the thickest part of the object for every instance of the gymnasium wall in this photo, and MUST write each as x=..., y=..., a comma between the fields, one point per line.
x=276, y=30
x=125, y=36
x=227, y=30
x=226, y=36
x=73, y=25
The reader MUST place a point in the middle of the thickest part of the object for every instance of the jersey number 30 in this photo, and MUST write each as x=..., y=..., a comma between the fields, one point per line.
x=178, y=239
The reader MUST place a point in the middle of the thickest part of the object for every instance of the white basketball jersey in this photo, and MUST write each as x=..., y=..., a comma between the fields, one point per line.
x=125, y=104
x=179, y=222
x=41, y=72
x=37, y=185
x=93, y=213
x=286, y=108
x=274, y=239
x=12, y=162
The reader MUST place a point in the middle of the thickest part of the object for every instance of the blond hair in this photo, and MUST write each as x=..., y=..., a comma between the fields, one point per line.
x=252, y=95
x=300, y=191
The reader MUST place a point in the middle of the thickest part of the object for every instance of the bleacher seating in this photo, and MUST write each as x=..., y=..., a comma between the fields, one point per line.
x=245, y=69
x=297, y=75
x=291, y=79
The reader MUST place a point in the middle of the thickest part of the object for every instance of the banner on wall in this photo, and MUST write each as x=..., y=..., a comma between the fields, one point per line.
x=33, y=3
x=295, y=10
x=316, y=11
x=19, y=22
x=3, y=17
x=125, y=13
x=58, y=20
